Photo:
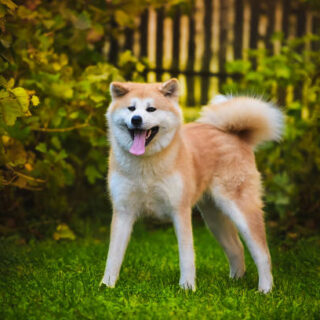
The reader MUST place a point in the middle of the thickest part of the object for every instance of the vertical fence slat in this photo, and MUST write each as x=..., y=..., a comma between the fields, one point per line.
x=271, y=13
x=144, y=34
x=214, y=65
x=159, y=41
x=152, y=25
x=199, y=34
x=223, y=36
x=114, y=46
x=316, y=30
x=184, y=39
x=136, y=38
x=207, y=50
x=255, y=13
x=190, y=64
x=167, y=43
x=128, y=43
x=277, y=25
x=176, y=42
x=285, y=17
x=246, y=29
x=238, y=28
x=301, y=20
x=215, y=31
x=230, y=29
x=262, y=26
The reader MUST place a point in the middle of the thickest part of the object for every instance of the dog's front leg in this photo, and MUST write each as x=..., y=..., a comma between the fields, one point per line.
x=121, y=228
x=183, y=227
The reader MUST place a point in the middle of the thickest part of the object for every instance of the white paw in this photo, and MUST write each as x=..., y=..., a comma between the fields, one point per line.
x=265, y=285
x=187, y=284
x=109, y=281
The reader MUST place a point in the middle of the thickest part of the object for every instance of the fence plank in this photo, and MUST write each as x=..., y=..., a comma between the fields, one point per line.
x=152, y=36
x=167, y=43
x=176, y=42
x=190, y=64
x=159, y=43
x=238, y=28
x=144, y=34
x=207, y=50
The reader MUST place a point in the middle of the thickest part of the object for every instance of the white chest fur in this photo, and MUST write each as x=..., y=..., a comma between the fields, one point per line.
x=146, y=194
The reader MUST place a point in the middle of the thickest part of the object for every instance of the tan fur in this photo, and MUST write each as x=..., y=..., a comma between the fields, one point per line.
x=212, y=155
x=252, y=119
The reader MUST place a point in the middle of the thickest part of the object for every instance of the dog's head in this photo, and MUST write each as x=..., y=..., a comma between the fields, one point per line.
x=143, y=118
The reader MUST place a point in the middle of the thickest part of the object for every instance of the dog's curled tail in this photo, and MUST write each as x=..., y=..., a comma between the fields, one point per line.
x=252, y=119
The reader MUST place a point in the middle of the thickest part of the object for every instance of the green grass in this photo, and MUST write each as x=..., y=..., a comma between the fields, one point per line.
x=59, y=280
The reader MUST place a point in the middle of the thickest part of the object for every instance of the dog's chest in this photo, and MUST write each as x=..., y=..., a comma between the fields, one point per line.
x=150, y=195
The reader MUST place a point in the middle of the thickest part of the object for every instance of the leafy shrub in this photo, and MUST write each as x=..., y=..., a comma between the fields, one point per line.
x=291, y=169
x=54, y=84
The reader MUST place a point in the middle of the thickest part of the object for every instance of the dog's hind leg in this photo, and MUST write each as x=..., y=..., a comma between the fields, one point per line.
x=244, y=209
x=227, y=235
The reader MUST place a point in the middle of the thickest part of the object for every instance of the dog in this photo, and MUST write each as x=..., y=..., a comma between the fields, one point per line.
x=162, y=167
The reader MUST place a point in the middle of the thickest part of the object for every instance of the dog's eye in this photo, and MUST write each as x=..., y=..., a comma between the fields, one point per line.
x=132, y=108
x=151, y=109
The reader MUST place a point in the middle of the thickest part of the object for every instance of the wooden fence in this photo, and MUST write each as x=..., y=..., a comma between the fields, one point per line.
x=194, y=47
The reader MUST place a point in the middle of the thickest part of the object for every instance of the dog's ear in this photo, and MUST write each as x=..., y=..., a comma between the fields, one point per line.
x=170, y=88
x=118, y=89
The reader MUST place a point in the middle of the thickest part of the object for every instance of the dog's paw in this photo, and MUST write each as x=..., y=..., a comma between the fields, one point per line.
x=108, y=282
x=265, y=289
x=237, y=273
x=187, y=285
x=265, y=286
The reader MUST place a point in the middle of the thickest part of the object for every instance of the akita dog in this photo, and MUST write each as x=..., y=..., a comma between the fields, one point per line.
x=159, y=166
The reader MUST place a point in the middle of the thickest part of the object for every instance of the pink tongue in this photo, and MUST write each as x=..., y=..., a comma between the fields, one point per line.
x=139, y=140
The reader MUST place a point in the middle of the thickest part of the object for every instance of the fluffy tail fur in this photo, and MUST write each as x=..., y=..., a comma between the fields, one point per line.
x=252, y=119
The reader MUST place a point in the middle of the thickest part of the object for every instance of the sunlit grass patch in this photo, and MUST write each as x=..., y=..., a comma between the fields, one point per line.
x=59, y=280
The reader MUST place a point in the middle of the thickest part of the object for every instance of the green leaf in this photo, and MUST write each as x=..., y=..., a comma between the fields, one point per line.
x=122, y=18
x=35, y=100
x=283, y=72
x=4, y=94
x=10, y=110
x=97, y=98
x=3, y=82
x=82, y=21
x=74, y=115
x=61, y=155
x=64, y=232
x=56, y=142
x=42, y=147
x=15, y=153
x=10, y=84
x=9, y=4
x=22, y=97
x=92, y=174
x=2, y=11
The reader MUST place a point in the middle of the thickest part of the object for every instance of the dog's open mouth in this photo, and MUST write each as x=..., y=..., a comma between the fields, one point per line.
x=141, y=138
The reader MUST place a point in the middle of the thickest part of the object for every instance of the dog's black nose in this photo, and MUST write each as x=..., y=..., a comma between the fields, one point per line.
x=136, y=120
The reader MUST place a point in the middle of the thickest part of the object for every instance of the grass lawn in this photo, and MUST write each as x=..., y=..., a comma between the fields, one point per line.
x=59, y=280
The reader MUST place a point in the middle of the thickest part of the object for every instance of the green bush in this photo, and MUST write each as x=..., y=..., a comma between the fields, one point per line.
x=290, y=169
x=54, y=90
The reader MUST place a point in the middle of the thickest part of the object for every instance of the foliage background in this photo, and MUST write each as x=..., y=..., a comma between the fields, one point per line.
x=55, y=73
